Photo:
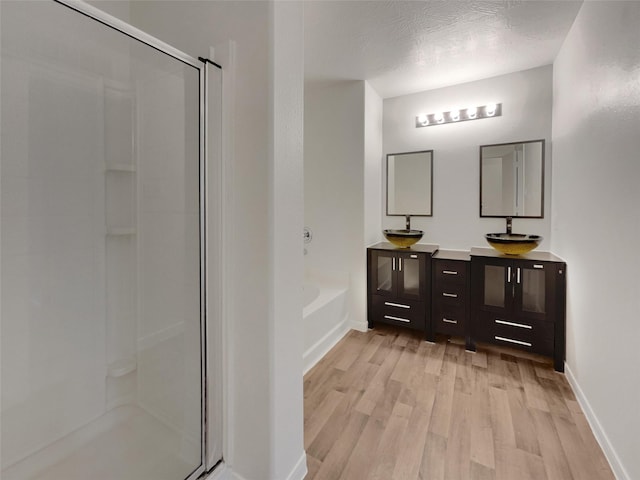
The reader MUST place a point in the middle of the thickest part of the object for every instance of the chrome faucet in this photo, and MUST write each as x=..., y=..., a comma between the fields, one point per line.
x=509, y=221
x=408, y=222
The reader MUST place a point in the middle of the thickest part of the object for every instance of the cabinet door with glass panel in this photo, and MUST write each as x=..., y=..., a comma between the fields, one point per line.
x=398, y=274
x=520, y=288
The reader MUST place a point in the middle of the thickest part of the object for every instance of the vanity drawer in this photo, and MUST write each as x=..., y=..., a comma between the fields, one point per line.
x=450, y=272
x=450, y=297
x=449, y=320
x=450, y=294
x=528, y=334
x=405, y=312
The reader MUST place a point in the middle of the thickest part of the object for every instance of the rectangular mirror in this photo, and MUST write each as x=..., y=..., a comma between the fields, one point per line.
x=410, y=183
x=512, y=179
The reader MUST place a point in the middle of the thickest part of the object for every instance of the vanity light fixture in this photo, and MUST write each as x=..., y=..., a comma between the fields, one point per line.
x=470, y=113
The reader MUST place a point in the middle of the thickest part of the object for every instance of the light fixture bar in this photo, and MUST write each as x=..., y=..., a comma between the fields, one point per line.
x=462, y=115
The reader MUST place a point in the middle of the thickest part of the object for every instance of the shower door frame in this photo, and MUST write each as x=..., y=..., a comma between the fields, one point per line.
x=208, y=368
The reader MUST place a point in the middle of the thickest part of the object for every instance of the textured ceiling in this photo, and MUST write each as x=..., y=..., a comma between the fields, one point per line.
x=404, y=47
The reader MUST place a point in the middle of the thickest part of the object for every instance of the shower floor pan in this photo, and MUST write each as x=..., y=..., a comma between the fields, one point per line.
x=125, y=443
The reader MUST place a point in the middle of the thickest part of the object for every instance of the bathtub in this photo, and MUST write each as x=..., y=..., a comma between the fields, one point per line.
x=325, y=315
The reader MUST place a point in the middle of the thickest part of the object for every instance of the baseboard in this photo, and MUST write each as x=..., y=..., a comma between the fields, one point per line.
x=222, y=472
x=598, y=432
x=326, y=343
x=300, y=470
x=359, y=326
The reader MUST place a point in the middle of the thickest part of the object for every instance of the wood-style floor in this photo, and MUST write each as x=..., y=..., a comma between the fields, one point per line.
x=387, y=405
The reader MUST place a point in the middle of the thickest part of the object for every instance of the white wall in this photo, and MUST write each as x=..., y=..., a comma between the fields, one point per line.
x=595, y=222
x=372, y=165
x=526, y=115
x=255, y=447
x=286, y=224
x=341, y=186
x=333, y=178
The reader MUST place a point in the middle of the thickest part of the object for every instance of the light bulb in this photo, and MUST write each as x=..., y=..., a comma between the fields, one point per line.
x=423, y=119
x=455, y=115
x=472, y=112
x=490, y=109
x=439, y=117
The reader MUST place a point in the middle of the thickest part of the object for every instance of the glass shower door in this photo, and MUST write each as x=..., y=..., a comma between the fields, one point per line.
x=102, y=335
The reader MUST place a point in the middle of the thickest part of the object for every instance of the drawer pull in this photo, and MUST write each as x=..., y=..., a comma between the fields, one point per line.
x=521, y=325
x=449, y=272
x=452, y=295
x=538, y=266
x=510, y=340
x=397, y=318
x=391, y=304
x=446, y=320
x=413, y=256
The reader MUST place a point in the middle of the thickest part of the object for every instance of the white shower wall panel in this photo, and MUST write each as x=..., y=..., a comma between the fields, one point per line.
x=168, y=274
x=53, y=331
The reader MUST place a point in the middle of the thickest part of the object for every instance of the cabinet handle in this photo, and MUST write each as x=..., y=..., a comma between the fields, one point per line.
x=518, y=275
x=538, y=266
x=449, y=272
x=449, y=321
x=510, y=340
x=413, y=256
x=390, y=317
x=452, y=295
x=391, y=304
x=400, y=264
x=521, y=325
x=393, y=262
x=508, y=274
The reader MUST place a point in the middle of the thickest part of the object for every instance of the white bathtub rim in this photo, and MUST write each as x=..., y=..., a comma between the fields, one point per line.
x=309, y=290
x=325, y=295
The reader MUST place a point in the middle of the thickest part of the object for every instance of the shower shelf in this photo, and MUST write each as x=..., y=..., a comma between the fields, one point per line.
x=121, y=367
x=120, y=231
x=120, y=167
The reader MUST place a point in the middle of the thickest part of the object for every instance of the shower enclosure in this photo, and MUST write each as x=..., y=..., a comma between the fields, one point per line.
x=105, y=363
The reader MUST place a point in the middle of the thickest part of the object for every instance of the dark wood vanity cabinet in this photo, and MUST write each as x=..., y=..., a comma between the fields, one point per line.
x=480, y=295
x=399, y=285
x=519, y=302
x=450, y=295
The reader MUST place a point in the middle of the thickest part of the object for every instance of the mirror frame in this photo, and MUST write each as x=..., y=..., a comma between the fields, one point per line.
x=542, y=140
x=430, y=186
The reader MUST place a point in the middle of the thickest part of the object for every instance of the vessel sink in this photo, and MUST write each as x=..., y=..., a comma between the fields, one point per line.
x=513, y=243
x=403, y=238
